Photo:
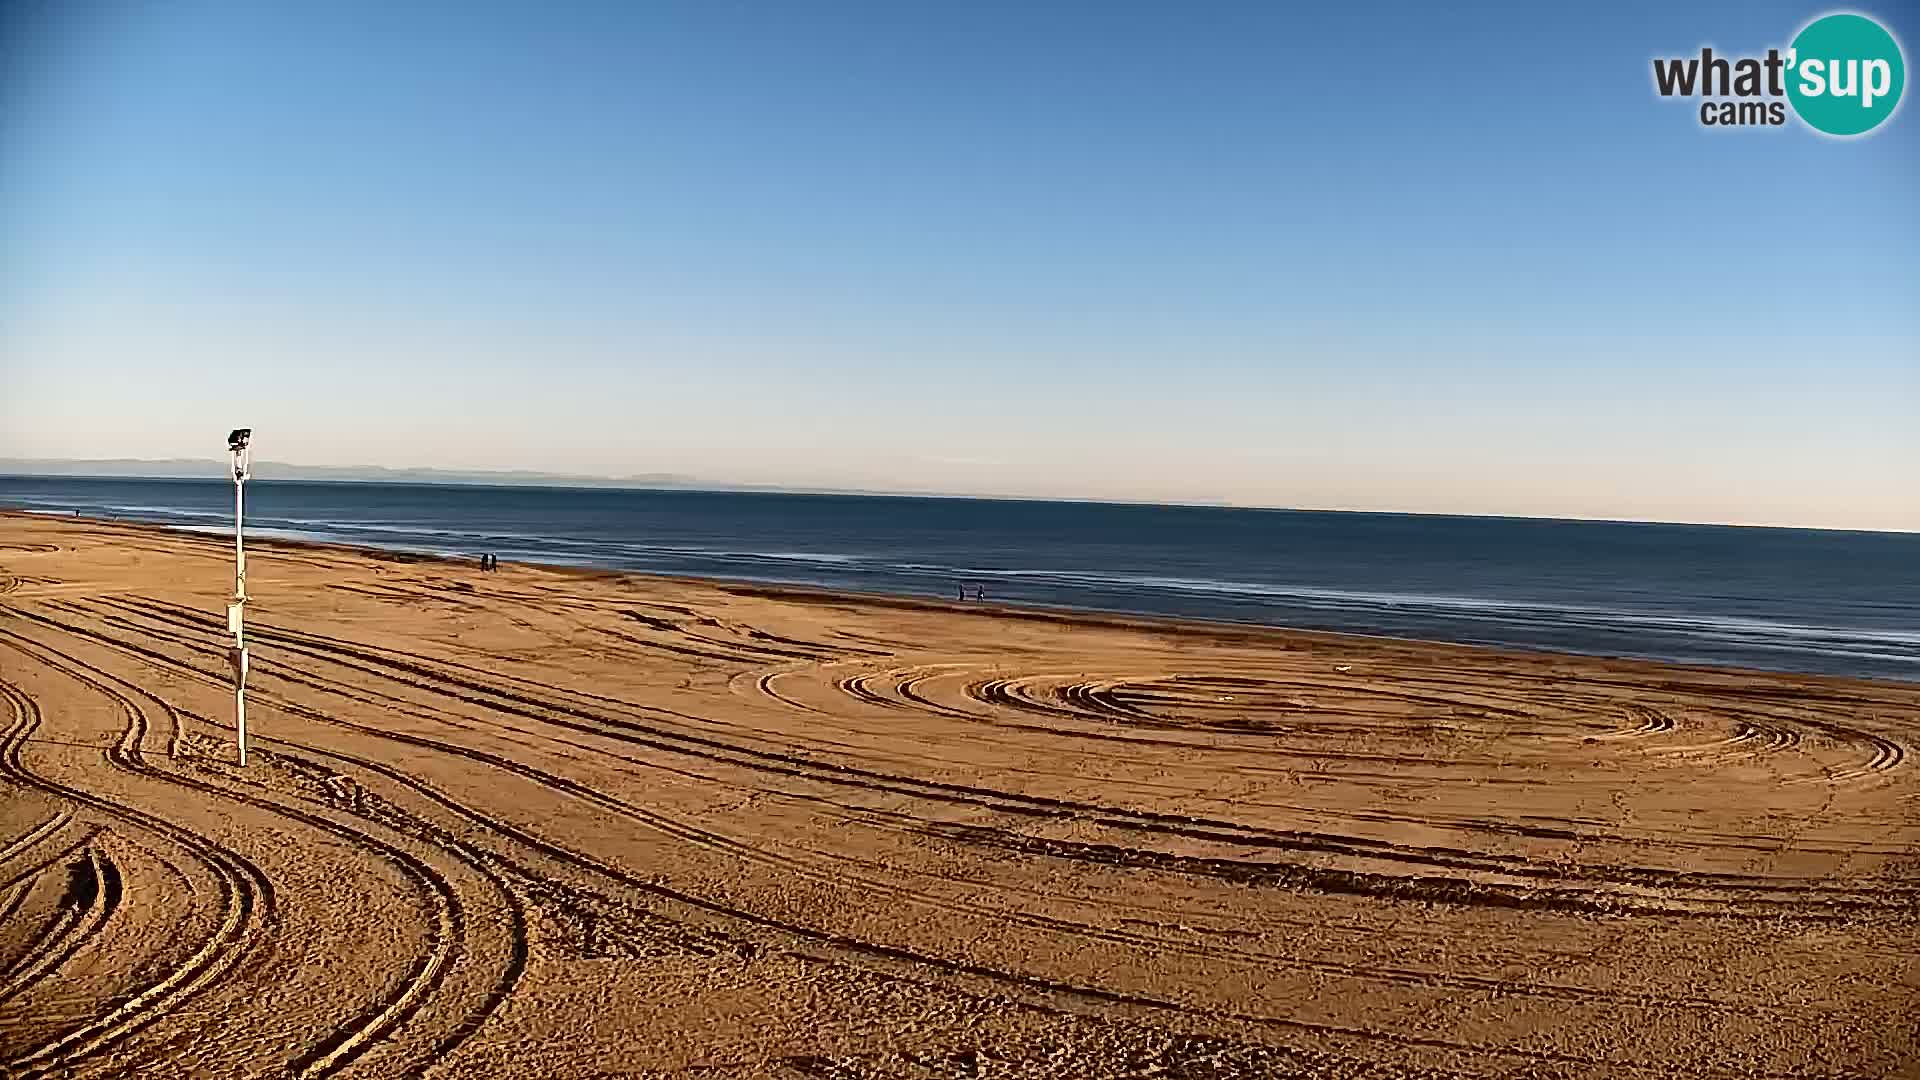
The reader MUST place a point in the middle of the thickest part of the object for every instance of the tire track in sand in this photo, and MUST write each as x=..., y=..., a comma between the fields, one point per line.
x=1410, y=976
x=448, y=939
x=1621, y=889
x=245, y=905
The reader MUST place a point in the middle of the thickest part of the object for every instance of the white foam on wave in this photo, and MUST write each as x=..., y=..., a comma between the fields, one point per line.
x=1744, y=629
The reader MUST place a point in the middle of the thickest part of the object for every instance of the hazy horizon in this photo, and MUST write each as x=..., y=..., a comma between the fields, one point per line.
x=215, y=469
x=1123, y=253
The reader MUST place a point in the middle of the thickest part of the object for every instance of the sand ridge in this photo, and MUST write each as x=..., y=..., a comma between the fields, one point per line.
x=554, y=823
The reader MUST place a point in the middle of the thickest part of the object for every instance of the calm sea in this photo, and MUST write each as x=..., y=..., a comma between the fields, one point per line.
x=1789, y=599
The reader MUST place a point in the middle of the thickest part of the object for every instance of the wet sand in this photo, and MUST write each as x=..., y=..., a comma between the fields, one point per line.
x=550, y=823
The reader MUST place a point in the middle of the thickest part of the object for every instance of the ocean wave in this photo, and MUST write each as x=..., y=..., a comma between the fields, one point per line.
x=1478, y=606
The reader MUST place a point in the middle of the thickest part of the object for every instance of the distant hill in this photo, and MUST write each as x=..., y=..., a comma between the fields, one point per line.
x=216, y=468
x=193, y=468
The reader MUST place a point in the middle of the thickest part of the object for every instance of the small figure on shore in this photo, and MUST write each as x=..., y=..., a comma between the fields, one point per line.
x=980, y=593
x=963, y=590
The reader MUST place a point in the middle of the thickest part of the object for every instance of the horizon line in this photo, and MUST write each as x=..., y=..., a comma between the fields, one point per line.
x=695, y=485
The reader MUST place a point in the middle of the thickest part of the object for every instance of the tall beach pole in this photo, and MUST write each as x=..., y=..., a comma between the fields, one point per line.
x=239, y=447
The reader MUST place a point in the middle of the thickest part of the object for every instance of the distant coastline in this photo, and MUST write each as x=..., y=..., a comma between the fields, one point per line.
x=215, y=469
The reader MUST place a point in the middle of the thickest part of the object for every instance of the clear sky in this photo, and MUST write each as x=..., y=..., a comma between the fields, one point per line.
x=1365, y=256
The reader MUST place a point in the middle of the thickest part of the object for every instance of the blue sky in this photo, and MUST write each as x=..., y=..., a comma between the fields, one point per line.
x=1371, y=256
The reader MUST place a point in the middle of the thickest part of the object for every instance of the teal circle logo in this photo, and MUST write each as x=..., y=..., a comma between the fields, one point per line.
x=1845, y=74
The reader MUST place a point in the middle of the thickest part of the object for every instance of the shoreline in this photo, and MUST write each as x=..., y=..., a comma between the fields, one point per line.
x=1058, y=615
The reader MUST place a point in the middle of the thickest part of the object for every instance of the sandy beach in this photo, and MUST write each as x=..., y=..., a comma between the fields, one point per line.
x=553, y=823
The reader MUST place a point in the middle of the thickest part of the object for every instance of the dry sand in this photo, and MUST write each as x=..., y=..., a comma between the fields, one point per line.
x=542, y=823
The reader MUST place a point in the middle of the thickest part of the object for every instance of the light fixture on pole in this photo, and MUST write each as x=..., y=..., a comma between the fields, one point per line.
x=240, y=450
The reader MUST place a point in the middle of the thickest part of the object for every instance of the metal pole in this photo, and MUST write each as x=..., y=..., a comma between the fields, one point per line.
x=239, y=546
x=239, y=606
